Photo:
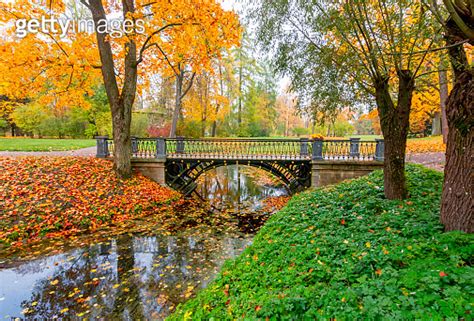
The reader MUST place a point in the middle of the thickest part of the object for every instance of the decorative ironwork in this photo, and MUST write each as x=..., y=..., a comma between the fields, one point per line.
x=288, y=159
x=182, y=174
x=245, y=148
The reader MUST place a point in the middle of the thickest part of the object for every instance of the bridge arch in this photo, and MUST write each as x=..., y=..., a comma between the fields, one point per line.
x=183, y=174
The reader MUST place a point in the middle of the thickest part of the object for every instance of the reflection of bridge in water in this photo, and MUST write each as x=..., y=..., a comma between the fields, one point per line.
x=298, y=163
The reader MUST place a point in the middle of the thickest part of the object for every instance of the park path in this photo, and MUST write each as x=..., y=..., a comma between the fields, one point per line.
x=83, y=152
x=431, y=160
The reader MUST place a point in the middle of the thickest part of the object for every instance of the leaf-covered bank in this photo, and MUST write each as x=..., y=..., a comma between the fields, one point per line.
x=345, y=252
x=58, y=197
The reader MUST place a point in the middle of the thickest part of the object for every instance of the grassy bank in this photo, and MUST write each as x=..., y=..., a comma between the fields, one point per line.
x=345, y=252
x=43, y=145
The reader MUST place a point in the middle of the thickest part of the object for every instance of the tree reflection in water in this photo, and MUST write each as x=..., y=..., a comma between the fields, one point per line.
x=241, y=191
x=239, y=188
x=130, y=278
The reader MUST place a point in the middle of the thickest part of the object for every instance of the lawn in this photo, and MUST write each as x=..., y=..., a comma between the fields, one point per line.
x=41, y=145
x=347, y=253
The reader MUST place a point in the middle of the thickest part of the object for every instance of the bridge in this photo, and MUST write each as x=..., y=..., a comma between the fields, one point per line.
x=298, y=163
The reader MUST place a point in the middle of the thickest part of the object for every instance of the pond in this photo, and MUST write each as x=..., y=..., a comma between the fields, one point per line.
x=137, y=276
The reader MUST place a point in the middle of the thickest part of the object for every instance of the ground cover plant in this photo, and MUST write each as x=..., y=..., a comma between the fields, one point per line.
x=345, y=252
x=48, y=197
x=43, y=145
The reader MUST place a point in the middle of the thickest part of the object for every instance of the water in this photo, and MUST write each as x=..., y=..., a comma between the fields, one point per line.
x=139, y=276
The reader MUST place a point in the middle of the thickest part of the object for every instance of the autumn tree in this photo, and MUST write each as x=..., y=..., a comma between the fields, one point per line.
x=457, y=203
x=199, y=27
x=377, y=47
x=425, y=107
x=42, y=68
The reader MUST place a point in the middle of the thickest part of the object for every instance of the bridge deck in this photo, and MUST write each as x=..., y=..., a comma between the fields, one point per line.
x=249, y=149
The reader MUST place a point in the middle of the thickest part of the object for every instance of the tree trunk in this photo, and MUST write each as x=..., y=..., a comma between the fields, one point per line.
x=221, y=88
x=122, y=141
x=177, y=105
x=443, y=96
x=436, y=124
x=120, y=103
x=239, y=114
x=394, y=122
x=457, y=204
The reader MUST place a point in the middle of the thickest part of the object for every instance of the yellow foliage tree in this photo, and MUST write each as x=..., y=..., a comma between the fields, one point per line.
x=179, y=33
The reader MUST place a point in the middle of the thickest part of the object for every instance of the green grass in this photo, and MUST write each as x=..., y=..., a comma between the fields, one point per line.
x=40, y=145
x=346, y=252
x=365, y=137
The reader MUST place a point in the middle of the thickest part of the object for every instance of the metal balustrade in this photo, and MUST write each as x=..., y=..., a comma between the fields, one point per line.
x=248, y=149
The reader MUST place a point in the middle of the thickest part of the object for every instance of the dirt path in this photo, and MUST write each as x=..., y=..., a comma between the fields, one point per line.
x=432, y=160
x=83, y=152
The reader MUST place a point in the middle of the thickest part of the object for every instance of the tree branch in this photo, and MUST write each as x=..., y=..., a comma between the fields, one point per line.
x=190, y=84
x=148, y=39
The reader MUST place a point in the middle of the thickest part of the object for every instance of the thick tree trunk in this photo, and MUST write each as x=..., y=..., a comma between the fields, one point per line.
x=120, y=102
x=443, y=96
x=457, y=204
x=394, y=122
x=122, y=140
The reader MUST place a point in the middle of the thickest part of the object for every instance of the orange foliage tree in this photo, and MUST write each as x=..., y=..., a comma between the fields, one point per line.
x=151, y=32
x=424, y=106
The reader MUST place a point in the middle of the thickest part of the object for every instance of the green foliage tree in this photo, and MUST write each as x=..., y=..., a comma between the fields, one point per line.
x=339, y=51
x=30, y=118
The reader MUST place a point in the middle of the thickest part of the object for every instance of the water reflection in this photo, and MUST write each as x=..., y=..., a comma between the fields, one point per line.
x=129, y=277
x=239, y=188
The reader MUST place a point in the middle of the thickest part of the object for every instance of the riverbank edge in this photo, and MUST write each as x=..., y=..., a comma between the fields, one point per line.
x=37, y=190
x=346, y=252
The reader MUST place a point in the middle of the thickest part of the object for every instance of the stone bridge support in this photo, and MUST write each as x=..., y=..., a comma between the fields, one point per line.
x=151, y=168
x=326, y=172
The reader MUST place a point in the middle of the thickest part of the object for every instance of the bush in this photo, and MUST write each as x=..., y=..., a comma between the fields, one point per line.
x=31, y=118
x=301, y=131
x=346, y=252
x=190, y=129
x=139, y=125
x=159, y=131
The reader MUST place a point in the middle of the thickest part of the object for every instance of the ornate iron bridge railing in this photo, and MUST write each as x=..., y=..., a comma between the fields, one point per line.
x=248, y=149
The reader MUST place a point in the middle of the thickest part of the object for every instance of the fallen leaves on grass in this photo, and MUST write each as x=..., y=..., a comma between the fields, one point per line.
x=432, y=144
x=46, y=197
